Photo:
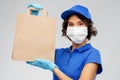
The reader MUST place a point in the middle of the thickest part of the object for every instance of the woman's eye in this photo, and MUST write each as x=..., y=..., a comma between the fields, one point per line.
x=70, y=24
x=80, y=24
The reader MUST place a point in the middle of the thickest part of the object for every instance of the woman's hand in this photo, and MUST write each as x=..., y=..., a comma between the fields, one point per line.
x=46, y=64
x=42, y=63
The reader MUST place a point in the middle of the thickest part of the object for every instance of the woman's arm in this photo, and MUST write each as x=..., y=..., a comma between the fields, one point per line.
x=61, y=75
x=46, y=64
x=89, y=71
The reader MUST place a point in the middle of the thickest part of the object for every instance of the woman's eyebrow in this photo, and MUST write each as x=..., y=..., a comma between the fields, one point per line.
x=77, y=21
x=80, y=22
x=70, y=22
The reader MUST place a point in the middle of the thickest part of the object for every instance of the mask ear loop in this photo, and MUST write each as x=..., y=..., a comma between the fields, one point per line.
x=68, y=37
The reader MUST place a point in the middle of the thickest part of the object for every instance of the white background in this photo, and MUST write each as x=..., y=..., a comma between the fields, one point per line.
x=105, y=14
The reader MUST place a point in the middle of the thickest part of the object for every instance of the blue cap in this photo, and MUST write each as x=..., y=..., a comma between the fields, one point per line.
x=76, y=9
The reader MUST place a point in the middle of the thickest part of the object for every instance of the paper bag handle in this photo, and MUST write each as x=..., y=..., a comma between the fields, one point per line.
x=29, y=11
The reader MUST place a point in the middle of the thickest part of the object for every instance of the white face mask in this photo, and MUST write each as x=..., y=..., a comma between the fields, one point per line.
x=77, y=34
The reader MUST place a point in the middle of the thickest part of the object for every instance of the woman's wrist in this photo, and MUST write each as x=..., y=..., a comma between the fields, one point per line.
x=55, y=69
x=60, y=74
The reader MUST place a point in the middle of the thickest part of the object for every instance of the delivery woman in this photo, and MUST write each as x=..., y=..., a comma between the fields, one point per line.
x=80, y=61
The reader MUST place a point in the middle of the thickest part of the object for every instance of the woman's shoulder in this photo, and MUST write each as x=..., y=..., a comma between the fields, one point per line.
x=90, y=49
x=60, y=50
x=94, y=52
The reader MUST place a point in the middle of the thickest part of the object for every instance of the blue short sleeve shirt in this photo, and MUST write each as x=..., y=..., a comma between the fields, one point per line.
x=72, y=63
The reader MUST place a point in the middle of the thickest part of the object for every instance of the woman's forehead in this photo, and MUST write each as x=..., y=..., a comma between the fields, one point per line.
x=74, y=18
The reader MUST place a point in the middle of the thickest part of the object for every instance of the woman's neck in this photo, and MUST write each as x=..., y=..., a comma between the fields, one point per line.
x=74, y=45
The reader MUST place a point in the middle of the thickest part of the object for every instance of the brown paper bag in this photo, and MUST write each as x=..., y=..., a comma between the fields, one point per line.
x=34, y=37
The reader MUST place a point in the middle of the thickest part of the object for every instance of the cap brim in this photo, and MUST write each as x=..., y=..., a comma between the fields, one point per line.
x=67, y=13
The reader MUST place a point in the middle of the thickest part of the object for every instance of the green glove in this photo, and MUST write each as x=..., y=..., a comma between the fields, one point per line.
x=42, y=63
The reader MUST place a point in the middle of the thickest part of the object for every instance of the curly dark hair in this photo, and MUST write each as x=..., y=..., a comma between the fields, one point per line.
x=91, y=30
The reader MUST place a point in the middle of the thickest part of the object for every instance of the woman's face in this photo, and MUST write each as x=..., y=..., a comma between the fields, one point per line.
x=75, y=21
